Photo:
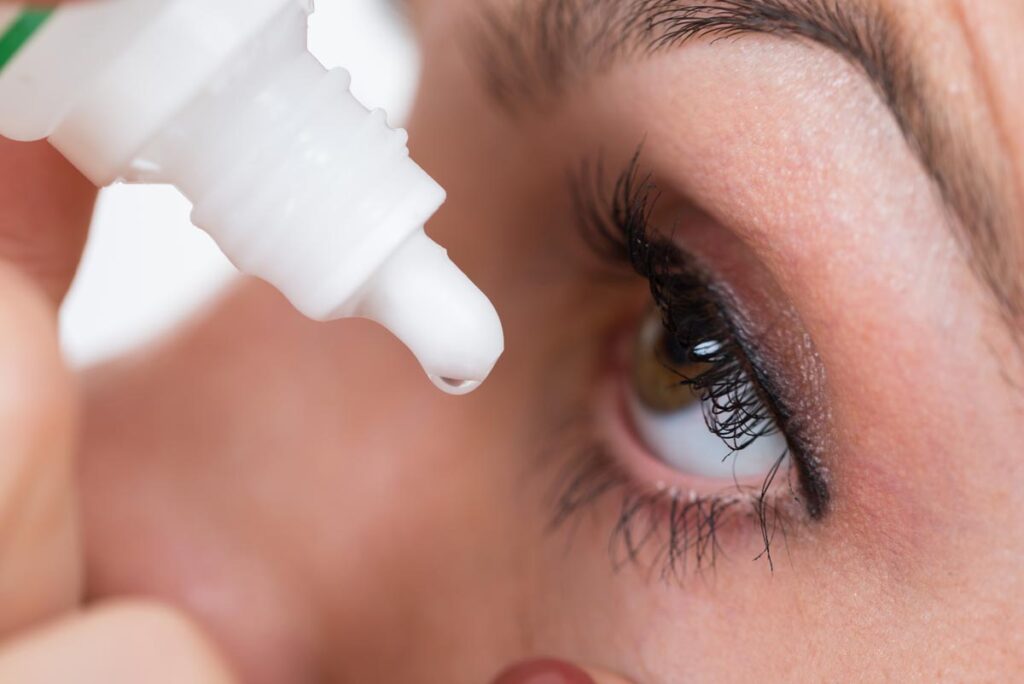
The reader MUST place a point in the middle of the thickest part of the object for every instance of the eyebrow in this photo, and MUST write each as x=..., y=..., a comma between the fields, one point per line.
x=533, y=50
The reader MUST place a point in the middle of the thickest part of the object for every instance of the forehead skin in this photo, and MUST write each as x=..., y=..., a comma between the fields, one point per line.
x=986, y=44
x=959, y=57
x=993, y=30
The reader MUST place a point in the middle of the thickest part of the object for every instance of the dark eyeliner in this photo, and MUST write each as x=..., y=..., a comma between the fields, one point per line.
x=744, y=399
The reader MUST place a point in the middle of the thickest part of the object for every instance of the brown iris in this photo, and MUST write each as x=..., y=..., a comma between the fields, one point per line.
x=660, y=368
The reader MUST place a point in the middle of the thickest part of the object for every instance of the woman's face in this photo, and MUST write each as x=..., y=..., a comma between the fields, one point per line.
x=760, y=413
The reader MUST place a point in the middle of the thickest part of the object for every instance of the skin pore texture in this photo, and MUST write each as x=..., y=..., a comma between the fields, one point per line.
x=323, y=514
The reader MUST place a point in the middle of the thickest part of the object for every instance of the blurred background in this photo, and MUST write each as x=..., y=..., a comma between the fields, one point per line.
x=146, y=267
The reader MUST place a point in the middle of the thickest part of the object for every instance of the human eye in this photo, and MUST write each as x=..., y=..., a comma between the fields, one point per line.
x=694, y=406
x=696, y=436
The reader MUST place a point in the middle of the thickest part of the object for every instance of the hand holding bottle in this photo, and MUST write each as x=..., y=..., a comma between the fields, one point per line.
x=47, y=634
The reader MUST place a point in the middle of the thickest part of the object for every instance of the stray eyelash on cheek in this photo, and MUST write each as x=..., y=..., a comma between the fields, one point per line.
x=737, y=398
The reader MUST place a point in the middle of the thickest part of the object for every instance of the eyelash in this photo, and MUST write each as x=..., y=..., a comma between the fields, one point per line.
x=740, y=402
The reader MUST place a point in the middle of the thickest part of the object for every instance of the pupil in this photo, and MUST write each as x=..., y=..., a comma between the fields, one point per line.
x=673, y=353
x=662, y=367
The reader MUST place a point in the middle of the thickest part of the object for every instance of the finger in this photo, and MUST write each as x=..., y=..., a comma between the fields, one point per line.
x=40, y=569
x=547, y=671
x=120, y=644
x=45, y=210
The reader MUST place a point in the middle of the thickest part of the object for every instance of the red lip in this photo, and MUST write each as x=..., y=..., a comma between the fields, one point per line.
x=544, y=672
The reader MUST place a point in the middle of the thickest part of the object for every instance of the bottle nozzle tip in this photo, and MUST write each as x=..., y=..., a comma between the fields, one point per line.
x=429, y=304
x=455, y=387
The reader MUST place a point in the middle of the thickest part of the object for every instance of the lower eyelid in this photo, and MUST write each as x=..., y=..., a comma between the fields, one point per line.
x=647, y=514
x=658, y=525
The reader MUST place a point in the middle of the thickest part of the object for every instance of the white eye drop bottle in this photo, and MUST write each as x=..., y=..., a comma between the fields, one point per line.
x=296, y=181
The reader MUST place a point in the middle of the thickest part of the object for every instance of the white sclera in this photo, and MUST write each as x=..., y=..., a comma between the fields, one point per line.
x=683, y=441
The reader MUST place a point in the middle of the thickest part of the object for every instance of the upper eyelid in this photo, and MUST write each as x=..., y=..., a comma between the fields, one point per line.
x=528, y=53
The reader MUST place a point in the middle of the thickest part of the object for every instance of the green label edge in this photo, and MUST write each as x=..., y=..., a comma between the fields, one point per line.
x=24, y=26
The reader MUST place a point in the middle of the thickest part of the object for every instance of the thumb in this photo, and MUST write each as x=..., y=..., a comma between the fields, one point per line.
x=556, y=672
x=45, y=208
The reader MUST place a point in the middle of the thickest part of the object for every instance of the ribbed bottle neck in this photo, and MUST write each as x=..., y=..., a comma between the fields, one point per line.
x=296, y=181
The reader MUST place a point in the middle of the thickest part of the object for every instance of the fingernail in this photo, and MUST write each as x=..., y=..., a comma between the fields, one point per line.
x=544, y=672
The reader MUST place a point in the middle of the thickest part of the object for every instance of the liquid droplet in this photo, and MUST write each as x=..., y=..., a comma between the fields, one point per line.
x=455, y=386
